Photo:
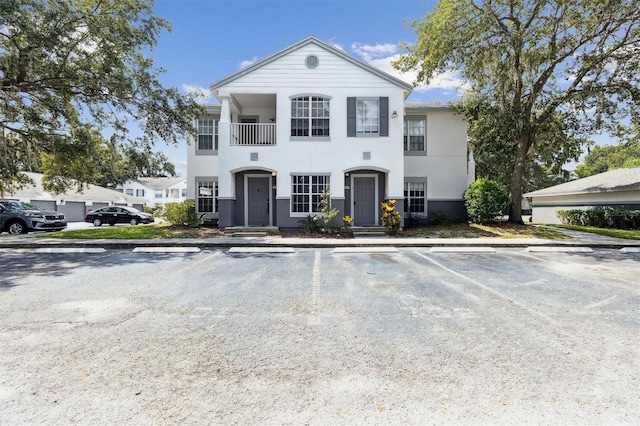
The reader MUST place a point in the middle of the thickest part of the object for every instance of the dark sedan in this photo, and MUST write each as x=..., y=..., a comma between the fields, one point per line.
x=115, y=214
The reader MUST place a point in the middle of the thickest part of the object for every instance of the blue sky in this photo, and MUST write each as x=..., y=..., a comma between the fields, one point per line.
x=212, y=39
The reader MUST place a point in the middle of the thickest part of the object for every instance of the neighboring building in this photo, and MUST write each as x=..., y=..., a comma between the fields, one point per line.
x=617, y=188
x=73, y=204
x=156, y=191
x=311, y=118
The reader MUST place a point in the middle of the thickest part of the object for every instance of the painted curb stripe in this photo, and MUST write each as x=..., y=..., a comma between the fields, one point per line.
x=365, y=250
x=558, y=249
x=262, y=250
x=166, y=250
x=462, y=250
x=630, y=250
x=58, y=250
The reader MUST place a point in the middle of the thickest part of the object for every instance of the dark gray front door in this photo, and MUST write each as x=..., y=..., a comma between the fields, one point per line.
x=364, y=200
x=258, y=201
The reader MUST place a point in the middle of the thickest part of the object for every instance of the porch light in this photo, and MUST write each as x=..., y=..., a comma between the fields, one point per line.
x=273, y=173
x=394, y=114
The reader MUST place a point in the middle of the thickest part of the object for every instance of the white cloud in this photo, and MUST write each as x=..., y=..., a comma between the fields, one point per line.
x=202, y=94
x=382, y=55
x=245, y=64
x=370, y=52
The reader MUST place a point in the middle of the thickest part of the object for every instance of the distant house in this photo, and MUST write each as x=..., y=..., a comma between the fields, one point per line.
x=617, y=188
x=311, y=118
x=73, y=204
x=156, y=190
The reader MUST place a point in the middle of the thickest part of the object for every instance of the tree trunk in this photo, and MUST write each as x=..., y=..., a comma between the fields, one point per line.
x=515, y=190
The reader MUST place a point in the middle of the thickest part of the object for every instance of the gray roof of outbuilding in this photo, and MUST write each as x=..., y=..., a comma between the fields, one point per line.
x=160, y=182
x=93, y=193
x=611, y=181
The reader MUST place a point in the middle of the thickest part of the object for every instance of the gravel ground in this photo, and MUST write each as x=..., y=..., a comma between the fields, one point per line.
x=314, y=338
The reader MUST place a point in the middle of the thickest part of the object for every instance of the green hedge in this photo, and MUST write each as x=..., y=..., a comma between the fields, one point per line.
x=601, y=218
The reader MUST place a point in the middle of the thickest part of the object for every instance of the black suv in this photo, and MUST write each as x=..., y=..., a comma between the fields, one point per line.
x=17, y=217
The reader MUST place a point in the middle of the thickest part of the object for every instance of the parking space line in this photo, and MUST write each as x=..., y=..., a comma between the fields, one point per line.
x=489, y=289
x=315, y=291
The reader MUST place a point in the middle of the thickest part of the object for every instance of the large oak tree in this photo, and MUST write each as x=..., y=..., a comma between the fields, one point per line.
x=74, y=72
x=535, y=61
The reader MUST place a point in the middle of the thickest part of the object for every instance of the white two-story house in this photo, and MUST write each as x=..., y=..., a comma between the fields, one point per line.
x=311, y=118
x=156, y=191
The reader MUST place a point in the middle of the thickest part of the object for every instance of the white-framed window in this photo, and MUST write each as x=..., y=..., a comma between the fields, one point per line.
x=184, y=193
x=207, y=134
x=306, y=192
x=310, y=116
x=140, y=193
x=159, y=193
x=174, y=193
x=129, y=192
x=415, y=196
x=367, y=116
x=414, y=134
x=207, y=196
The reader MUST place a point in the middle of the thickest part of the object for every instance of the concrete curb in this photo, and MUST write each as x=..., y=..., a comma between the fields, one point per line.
x=30, y=242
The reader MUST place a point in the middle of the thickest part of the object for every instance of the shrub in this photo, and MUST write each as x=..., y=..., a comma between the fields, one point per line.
x=485, y=200
x=391, y=219
x=439, y=218
x=183, y=213
x=309, y=224
x=601, y=218
x=327, y=214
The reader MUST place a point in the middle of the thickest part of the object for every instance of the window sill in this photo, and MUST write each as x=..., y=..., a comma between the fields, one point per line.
x=206, y=152
x=415, y=153
x=309, y=139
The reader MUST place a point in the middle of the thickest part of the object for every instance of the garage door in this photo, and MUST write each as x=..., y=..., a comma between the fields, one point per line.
x=73, y=211
x=46, y=205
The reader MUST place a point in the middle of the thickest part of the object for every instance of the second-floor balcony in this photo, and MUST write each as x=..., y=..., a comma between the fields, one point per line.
x=253, y=134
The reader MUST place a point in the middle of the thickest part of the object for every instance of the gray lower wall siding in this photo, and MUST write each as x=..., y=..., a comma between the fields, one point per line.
x=284, y=220
x=225, y=212
x=238, y=205
x=453, y=210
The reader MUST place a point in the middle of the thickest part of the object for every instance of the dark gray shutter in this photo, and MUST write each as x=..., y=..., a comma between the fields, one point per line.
x=351, y=117
x=384, y=116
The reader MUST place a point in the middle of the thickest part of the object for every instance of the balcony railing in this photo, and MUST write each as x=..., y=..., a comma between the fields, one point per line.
x=253, y=134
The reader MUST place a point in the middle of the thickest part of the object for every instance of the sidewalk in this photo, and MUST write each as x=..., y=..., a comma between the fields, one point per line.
x=578, y=239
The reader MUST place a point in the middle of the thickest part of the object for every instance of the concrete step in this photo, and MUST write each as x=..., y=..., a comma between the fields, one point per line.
x=254, y=234
x=369, y=234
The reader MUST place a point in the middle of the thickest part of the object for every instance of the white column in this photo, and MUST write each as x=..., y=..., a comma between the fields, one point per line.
x=226, y=188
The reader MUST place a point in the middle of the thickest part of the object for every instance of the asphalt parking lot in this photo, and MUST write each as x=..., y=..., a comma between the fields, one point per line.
x=320, y=336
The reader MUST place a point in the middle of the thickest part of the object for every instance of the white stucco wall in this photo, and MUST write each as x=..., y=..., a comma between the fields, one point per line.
x=445, y=165
x=334, y=78
x=544, y=208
